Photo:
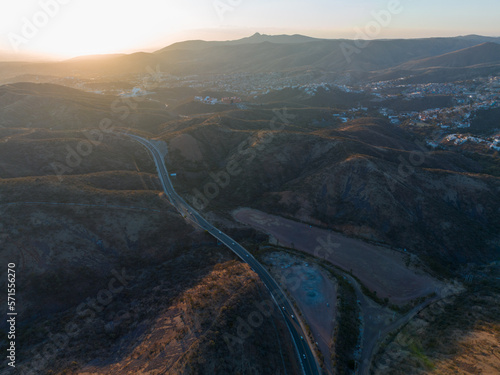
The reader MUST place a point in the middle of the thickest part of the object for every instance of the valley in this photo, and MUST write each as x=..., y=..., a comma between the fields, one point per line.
x=255, y=206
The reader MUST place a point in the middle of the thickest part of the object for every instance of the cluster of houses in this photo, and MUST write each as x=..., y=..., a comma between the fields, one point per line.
x=350, y=114
x=212, y=101
x=206, y=100
x=459, y=116
x=456, y=117
x=312, y=88
x=135, y=92
x=459, y=139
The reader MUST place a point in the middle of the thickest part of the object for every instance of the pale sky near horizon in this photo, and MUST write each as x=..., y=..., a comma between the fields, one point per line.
x=67, y=28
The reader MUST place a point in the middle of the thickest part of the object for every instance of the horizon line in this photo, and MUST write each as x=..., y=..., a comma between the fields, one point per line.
x=41, y=57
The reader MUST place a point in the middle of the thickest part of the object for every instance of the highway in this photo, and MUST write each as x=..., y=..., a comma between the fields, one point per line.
x=300, y=340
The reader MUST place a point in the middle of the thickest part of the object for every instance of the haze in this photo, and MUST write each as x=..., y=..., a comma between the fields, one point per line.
x=250, y=187
x=75, y=28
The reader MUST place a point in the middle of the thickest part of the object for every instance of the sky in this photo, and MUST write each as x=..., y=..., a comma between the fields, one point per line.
x=69, y=28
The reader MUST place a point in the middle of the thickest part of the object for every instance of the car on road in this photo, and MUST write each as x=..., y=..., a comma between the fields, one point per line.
x=301, y=338
x=303, y=355
x=293, y=317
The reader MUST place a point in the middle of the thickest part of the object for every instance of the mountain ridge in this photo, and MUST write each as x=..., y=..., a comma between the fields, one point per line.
x=483, y=53
x=262, y=54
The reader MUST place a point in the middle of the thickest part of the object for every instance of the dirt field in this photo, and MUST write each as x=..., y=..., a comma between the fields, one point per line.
x=312, y=289
x=380, y=269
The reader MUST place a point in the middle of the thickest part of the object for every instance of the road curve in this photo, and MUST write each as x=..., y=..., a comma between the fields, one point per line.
x=306, y=358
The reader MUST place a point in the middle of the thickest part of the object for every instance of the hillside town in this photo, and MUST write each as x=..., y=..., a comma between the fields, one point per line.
x=466, y=97
x=449, y=106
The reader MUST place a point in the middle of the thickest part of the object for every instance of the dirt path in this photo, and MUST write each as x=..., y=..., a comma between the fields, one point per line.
x=380, y=269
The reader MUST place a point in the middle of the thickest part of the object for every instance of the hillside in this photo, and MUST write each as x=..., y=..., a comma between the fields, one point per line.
x=371, y=199
x=254, y=39
x=482, y=54
x=456, y=335
x=357, y=178
x=30, y=105
x=258, y=53
x=106, y=253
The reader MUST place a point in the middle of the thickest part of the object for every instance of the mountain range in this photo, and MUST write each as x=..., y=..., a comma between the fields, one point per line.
x=326, y=163
x=286, y=53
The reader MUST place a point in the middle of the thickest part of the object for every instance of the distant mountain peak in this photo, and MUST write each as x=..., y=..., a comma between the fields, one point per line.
x=278, y=39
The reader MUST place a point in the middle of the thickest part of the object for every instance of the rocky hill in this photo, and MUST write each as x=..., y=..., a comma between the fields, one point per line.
x=366, y=178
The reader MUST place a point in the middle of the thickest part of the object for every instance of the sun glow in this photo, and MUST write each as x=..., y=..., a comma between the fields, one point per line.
x=68, y=28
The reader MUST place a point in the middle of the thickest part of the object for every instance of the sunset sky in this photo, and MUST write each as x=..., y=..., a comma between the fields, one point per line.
x=67, y=28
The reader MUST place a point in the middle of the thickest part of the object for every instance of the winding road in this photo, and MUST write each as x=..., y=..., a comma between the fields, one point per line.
x=300, y=340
